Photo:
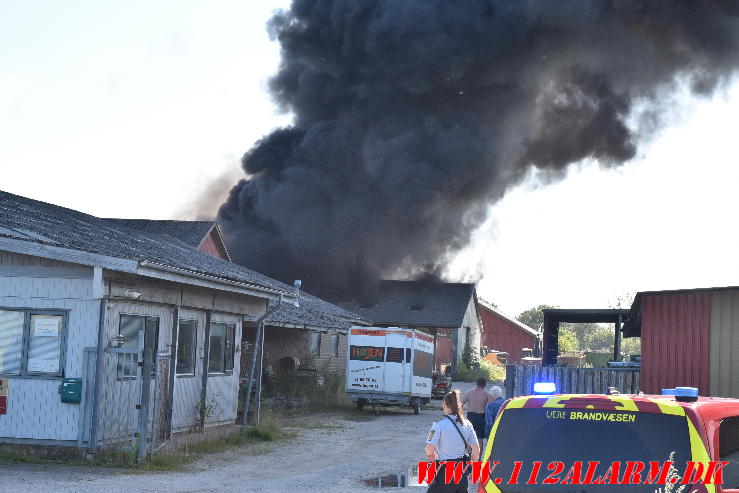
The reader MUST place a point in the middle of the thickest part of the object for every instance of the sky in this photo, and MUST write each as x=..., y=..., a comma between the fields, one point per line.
x=133, y=109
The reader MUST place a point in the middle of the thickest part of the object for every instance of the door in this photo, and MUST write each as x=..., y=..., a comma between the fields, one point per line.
x=396, y=373
x=366, y=361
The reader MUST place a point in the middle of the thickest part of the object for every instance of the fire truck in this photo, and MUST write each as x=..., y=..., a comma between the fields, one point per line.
x=389, y=366
x=675, y=427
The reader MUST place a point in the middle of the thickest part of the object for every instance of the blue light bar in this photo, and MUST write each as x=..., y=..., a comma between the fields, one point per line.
x=544, y=388
x=668, y=391
x=686, y=392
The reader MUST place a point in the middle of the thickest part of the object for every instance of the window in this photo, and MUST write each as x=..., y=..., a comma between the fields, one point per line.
x=335, y=345
x=394, y=355
x=129, y=328
x=187, y=347
x=728, y=444
x=31, y=342
x=221, y=348
x=315, y=343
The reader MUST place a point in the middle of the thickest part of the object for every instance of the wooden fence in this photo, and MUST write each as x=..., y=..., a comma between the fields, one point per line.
x=520, y=379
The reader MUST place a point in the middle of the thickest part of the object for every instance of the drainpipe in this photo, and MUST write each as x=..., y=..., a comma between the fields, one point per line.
x=259, y=352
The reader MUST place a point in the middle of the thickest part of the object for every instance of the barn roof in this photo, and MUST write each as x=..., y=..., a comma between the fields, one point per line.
x=417, y=303
x=30, y=220
x=520, y=325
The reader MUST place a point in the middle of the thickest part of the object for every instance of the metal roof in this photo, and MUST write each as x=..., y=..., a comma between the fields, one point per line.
x=583, y=315
x=518, y=324
x=418, y=303
x=30, y=220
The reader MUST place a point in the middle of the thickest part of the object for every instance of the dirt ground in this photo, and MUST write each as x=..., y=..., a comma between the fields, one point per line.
x=330, y=453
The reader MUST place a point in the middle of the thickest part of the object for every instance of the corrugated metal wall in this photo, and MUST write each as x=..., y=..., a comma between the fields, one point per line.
x=676, y=341
x=502, y=335
x=724, y=362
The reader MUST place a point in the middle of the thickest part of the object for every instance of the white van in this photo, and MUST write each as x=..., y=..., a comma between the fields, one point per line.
x=389, y=366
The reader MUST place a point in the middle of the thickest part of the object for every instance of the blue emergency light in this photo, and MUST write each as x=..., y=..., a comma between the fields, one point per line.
x=668, y=391
x=686, y=394
x=544, y=388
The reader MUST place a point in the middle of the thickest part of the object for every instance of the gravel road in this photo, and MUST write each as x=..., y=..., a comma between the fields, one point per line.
x=331, y=453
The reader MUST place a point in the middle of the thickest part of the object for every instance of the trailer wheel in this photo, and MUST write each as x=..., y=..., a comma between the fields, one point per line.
x=360, y=404
x=416, y=403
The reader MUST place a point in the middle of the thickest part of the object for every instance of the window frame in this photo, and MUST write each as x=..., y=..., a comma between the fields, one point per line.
x=26, y=342
x=335, y=343
x=229, y=352
x=194, y=348
x=155, y=349
x=719, y=446
x=227, y=364
x=317, y=352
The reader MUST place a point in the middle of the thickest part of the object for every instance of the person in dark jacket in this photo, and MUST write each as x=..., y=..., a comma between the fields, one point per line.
x=491, y=410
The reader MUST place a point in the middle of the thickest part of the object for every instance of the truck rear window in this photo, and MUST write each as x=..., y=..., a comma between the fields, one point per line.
x=570, y=435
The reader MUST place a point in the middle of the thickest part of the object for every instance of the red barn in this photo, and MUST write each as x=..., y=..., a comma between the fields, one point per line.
x=504, y=333
x=688, y=338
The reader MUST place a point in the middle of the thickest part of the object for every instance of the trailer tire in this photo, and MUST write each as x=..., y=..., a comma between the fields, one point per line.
x=360, y=404
x=416, y=403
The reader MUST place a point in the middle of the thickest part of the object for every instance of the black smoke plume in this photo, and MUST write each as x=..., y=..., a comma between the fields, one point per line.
x=411, y=117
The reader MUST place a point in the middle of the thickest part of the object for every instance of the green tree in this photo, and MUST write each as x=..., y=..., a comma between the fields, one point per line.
x=598, y=338
x=567, y=340
x=534, y=317
x=631, y=345
x=624, y=300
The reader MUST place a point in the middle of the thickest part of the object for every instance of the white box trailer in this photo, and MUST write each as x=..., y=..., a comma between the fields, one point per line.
x=389, y=366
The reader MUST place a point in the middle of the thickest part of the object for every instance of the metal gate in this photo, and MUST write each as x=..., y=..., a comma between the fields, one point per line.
x=134, y=399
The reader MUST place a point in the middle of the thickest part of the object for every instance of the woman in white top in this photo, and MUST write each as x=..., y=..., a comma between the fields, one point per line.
x=449, y=439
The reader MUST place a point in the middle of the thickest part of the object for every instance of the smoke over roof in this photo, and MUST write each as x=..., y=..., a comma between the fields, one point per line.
x=412, y=117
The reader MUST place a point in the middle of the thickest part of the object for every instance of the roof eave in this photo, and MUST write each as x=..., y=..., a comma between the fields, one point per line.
x=218, y=231
x=165, y=272
x=512, y=320
x=63, y=254
x=145, y=269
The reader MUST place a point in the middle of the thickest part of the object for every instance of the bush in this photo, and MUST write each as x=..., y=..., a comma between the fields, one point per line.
x=483, y=369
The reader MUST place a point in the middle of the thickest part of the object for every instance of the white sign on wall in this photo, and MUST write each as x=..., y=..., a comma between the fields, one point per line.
x=46, y=327
x=43, y=365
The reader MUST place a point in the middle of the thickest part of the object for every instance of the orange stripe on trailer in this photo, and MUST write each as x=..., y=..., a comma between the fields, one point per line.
x=424, y=337
x=382, y=332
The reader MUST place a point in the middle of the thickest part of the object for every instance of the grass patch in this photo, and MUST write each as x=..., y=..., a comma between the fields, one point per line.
x=175, y=460
x=270, y=430
x=21, y=458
